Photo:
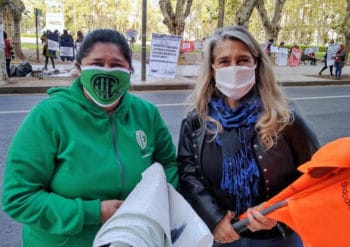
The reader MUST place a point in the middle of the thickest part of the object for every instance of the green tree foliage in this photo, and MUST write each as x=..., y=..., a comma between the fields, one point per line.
x=312, y=21
x=90, y=14
x=28, y=18
x=302, y=21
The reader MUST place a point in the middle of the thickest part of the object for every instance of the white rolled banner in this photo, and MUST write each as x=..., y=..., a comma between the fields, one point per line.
x=154, y=215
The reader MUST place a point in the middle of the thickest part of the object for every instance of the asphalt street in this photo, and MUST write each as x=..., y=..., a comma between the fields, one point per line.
x=326, y=109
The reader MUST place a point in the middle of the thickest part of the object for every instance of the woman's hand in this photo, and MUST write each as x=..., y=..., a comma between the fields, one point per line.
x=224, y=232
x=258, y=222
x=108, y=208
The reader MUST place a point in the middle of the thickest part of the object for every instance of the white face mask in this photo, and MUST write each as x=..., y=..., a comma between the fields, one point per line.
x=235, y=81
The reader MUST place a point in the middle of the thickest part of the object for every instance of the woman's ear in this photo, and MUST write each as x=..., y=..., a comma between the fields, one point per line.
x=213, y=71
x=78, y=66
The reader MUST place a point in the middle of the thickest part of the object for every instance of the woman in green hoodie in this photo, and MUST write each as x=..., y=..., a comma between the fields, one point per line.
x=80, y=152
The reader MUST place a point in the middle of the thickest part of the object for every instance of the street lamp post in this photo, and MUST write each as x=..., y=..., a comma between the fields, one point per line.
x=143, y=40
x=37, y=13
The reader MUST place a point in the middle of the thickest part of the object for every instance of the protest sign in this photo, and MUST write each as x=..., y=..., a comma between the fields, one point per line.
x=331, y=51
x=164, y=55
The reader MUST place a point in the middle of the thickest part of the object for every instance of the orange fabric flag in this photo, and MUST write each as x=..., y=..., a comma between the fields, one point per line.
x=318, y=202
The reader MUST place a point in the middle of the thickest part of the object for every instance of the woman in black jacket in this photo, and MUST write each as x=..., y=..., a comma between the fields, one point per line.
x=241, y=141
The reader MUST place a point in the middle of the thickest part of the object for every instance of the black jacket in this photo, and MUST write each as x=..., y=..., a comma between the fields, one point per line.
x=278, y=165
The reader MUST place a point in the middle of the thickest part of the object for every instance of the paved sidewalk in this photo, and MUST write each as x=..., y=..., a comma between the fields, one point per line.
x=303, y=75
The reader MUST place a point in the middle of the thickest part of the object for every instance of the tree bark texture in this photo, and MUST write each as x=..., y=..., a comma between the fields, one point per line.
x=3, y=74
x=346, y=28
x=12, y=24
x=272, y=27
x=221, y=13
x=175, y=21
x=244, y=12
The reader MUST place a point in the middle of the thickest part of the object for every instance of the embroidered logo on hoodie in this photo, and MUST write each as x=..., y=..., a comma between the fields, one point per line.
x=141, y=139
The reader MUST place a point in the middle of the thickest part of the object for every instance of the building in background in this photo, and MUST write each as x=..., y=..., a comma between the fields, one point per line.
x=55, y=15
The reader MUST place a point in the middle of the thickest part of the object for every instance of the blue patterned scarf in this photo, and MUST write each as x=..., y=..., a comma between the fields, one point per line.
x=240, y=173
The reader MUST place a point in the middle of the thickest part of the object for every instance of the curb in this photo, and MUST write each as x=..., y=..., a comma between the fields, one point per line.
x=23, y=90
x=153, y=87
x=170, y=86
x=135, y=87
x=313, y=83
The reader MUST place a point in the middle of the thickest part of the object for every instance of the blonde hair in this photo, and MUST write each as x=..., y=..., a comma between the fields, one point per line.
x=276, y=114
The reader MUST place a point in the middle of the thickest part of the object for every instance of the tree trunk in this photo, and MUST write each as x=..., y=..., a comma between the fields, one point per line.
x=3, y=74
x=272, y=27
x=175, y=21
x=346, y=28
x=244, y=12
x=16, y=42
x=221, y=13
x=12, y=18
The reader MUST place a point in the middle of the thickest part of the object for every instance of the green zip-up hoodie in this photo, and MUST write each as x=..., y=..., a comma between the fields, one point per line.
x=69, y=154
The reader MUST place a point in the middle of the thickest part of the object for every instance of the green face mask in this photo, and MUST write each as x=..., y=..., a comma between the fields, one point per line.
x=105, y=86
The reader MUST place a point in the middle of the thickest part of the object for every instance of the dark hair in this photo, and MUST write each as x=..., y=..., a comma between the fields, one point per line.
x=5, y=35
x=104, y=36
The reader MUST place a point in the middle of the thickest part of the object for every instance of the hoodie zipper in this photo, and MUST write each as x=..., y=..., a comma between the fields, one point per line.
x=119, y=161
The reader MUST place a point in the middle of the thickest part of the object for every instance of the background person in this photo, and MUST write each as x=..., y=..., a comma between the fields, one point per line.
x=282, y=55
x=78, y=41
x=66, y=46
x=327, y=58
x=268, y=47
x=295, y=56
x=240, y=143
x=81, y=151
x=312, y=57
x=339, y=62
x=9, y=54
x=46, y=53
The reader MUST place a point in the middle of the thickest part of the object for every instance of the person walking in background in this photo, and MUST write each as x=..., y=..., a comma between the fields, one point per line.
x=46, y=53
x=339, y=62
x=295, y=56
x=80, y=152
x=328, y=60
x=9, y=54
x=240, y=142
